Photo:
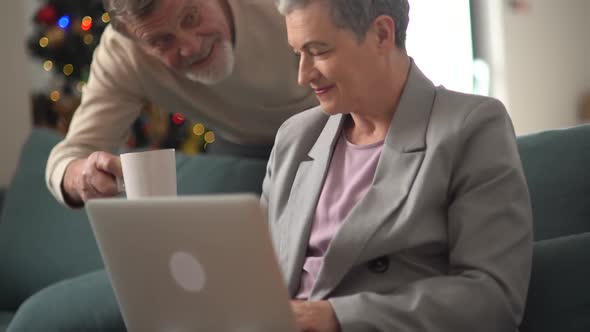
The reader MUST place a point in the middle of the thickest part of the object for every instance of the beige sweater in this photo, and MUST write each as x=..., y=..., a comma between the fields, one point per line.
x=248, y=107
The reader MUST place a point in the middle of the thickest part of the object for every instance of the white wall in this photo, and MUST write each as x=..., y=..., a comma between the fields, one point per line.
x=439, y=40
x=548, y=62
x=15, y=110
x=540, y=60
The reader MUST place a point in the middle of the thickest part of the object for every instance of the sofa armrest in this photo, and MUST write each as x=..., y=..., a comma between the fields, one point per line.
x=558, y=298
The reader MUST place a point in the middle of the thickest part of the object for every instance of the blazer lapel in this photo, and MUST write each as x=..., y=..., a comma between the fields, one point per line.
x=305, y=193
x=398, y=166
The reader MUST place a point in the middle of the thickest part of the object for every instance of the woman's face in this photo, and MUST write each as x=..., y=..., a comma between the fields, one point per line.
x=341, y=70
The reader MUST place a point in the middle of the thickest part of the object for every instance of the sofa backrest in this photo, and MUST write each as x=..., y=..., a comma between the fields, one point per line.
x=558, y=297
x=557, y=168
x=42, y=242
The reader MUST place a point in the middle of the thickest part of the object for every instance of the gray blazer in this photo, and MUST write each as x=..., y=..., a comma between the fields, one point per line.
x=442, y=241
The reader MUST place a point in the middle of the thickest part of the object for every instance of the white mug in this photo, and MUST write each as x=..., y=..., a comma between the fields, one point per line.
x=149, y=173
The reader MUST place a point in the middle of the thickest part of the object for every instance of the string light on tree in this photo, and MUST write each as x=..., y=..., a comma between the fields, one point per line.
x=46, y=15
x=43, y=42
x=178, y=118
x=47, y=65
x=80, y=86
x=198, y=129
x=210, y=137
x=88, y=39
x=55, y=37
x=64, y=22
x=106, y=18
x=54, y=96
x=68, y=69
x=86, y=23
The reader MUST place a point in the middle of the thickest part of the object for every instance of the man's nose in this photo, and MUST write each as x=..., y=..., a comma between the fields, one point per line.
x=190, y=44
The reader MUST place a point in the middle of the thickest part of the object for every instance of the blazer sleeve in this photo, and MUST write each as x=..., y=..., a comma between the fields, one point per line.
x=266, y=184
x=490, y=244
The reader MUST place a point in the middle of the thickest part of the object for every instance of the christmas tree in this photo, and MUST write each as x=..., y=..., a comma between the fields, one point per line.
x=65, y=35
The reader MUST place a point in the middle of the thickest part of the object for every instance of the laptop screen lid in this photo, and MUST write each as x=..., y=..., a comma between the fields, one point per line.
x=192, y=263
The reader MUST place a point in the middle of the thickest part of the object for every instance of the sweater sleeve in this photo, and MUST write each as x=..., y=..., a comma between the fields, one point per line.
x=111, y=101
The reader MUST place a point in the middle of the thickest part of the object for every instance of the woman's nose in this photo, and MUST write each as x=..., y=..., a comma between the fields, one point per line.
x=307, y=71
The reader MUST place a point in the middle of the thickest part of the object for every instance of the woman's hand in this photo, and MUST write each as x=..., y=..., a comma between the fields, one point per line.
x=315, y=316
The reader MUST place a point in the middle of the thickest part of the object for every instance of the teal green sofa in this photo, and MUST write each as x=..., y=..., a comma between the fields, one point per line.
x=42, y=243
x=557, y=167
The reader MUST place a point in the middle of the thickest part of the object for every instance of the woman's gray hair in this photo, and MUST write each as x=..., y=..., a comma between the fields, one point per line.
x=358, y=15
x=122, y=11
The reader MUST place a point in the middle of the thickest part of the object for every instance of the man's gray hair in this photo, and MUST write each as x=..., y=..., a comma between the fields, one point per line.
x=358, y=15
x=121, y=11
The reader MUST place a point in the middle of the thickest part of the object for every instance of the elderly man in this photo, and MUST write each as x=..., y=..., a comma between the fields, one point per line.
x=395, y=205
x=225, y=62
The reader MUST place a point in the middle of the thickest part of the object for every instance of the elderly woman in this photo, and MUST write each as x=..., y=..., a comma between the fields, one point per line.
x=395, y=205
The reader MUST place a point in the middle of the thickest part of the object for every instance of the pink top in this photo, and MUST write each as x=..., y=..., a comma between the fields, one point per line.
x=349, y=177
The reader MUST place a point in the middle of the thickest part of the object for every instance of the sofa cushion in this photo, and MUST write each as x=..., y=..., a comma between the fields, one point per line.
x=83, y=303
x=556, y=165
x=41, y=242
x=558, y=299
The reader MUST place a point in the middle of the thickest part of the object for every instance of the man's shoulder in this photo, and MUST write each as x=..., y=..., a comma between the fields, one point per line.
x=117, y=47
x=110, y=38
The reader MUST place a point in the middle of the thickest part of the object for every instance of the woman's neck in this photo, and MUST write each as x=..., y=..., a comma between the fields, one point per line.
x=371, y=122
x=362, y=130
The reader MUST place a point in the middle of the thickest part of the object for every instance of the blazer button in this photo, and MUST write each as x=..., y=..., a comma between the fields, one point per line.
x=379, y=264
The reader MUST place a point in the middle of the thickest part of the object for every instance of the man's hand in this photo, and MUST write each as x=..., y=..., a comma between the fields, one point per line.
x=92, y=177
x=315, y=316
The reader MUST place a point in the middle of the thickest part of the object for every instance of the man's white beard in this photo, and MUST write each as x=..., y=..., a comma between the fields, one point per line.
x=218, y=70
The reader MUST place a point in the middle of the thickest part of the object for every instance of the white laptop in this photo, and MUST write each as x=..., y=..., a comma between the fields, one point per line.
x=193, y=263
